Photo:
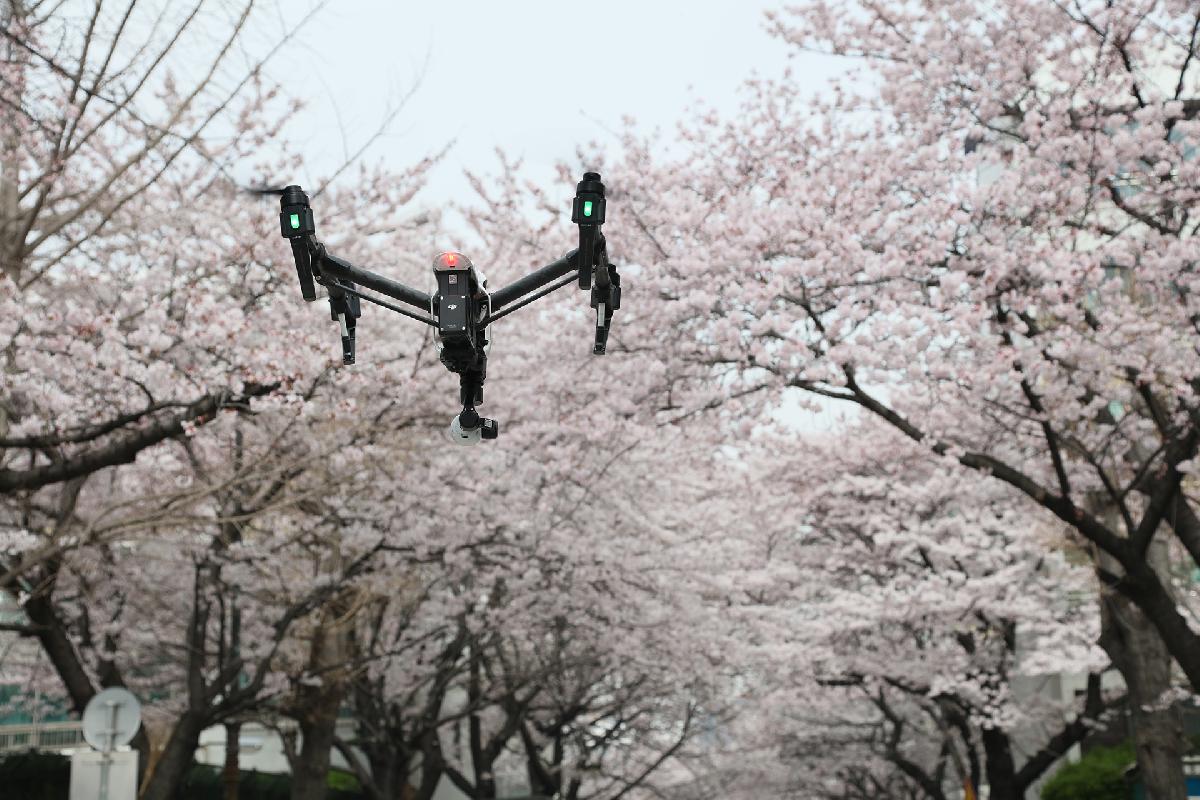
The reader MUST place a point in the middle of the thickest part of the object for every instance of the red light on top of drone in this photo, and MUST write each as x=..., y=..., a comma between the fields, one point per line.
x=451, y=261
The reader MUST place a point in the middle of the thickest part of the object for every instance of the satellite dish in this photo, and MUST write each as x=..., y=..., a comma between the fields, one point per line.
x=111, y=719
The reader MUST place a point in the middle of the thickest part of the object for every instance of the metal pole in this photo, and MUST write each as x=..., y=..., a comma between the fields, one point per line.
x=105, y=758
x=104, y=767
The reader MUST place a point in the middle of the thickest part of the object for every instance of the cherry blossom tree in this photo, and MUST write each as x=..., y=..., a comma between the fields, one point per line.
x=537, y=643
x=924, y=612
x=239, y=506
x=198, y=504
x=534, y=623
x=99, y=106
x=980, y=273
x=982, y=237
x=171, y=408
x=198, y=507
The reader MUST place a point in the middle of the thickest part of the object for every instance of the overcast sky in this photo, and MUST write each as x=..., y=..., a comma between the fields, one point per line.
x=538, y=78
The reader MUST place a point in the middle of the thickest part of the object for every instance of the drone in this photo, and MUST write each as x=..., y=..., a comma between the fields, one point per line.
x=462, y=306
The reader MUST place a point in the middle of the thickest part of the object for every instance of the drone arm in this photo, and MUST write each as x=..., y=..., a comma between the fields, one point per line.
x=334, y=267
x=303, y=269
x=603, y=268
x=535, y=280
x=587, y=212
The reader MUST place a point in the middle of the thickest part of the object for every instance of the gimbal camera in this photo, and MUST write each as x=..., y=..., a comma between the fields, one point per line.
x=462, y=306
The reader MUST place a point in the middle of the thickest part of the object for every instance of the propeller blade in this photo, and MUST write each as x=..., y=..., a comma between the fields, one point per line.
x=261, y=190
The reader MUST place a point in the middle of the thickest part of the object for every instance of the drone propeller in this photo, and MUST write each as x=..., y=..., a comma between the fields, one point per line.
x=264, y=190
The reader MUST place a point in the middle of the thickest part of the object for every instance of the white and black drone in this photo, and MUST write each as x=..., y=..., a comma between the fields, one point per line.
x=462, y=307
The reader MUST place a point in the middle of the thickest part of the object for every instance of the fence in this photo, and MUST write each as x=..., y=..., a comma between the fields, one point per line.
x=51, y=736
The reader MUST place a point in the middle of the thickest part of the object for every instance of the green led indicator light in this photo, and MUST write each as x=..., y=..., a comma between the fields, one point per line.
x=295, y=220
x=587, y=208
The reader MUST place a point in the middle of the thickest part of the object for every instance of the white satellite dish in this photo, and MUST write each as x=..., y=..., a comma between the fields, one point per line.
x=111, y=719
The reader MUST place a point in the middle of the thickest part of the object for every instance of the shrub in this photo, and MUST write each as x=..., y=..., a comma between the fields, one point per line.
x=44, y=776
x=35, y=776
x=1099, y=775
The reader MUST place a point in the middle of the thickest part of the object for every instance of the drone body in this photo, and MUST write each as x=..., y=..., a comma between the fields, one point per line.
x=462, y=307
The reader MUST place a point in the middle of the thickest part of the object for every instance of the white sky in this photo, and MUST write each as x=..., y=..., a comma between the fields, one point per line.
x=538, y=78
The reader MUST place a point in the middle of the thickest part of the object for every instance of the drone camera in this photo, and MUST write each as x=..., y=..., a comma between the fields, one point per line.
x=468, y=428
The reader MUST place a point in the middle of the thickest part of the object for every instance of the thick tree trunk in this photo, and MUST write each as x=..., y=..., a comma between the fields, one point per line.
x=10, y=209
x=311, y=770
x=433, y=766
x=231, y=775
x=1138, y=651
x=57, y=645
x=391, y=776
x=317, y=707
x=1000, y=769
x=481, y=761
x=163, y=782
x=1147, y=590
x=386, y=777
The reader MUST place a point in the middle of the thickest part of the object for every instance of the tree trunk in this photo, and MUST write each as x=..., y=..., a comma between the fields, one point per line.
x=1139, y=653
x=64, y=657
x=390, y=773
x=1001, y=772
x=163, y=781
x=1150, y=593
x=481, y=761
x=432, y=765
x=318, y=706
x=311, y=770
x=231, y=775
x=18, y=58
